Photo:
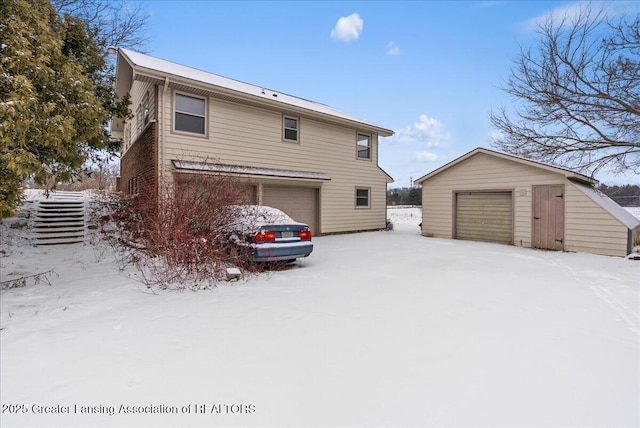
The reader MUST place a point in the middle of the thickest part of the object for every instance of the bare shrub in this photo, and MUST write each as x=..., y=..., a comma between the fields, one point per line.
x=176, y=235
x=389, y=225
x=100, y=176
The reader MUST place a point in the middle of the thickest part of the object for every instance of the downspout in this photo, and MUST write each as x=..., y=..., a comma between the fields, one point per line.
x=259, y=191
x=161, y=131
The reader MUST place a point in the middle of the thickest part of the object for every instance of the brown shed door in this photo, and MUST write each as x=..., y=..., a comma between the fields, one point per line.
x=484, y=216
x=300, y=203
x=548, y=217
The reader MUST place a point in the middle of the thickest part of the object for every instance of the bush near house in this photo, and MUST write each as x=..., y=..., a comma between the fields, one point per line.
x=177, y=237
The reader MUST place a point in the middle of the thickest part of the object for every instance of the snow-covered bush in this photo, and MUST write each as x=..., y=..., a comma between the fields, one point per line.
x=176, y=235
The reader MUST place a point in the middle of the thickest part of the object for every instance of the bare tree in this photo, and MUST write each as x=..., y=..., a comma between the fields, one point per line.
x=577, y=94
x=118, y=23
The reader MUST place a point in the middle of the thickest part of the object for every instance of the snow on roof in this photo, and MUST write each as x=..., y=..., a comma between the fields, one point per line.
x=610, y=206
x=634, y=211
x=248, y=170
x=164, y=67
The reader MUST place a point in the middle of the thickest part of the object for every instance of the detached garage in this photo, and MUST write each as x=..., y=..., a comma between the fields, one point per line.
x=494, y=197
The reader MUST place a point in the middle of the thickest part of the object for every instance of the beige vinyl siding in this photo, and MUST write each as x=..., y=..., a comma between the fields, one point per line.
x=138, y=92
x=591, y=228
x=482, y=172
x=251, y=136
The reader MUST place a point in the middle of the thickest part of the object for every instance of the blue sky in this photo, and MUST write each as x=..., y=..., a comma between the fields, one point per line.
x=431, y=71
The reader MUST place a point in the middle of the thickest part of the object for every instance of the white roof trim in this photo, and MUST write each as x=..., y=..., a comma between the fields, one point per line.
x=560, y=170
x=609, y=205
x=249, y=170
x=164, y=67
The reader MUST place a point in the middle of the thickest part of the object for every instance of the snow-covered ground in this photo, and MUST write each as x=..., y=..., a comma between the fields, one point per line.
x=373, y=329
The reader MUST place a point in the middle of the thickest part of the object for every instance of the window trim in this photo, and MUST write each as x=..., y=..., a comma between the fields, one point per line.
x=362, y=207
x=175, y=110
x=139, y=120
x=284, y=129
x=370, y=147
x=127, y=136
x=146, y=109
x=133, y=188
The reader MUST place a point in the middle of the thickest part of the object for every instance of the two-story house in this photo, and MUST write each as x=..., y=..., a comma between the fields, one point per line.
x=316, y=163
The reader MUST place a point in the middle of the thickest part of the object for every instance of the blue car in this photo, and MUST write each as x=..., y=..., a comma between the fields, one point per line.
x=266, y=234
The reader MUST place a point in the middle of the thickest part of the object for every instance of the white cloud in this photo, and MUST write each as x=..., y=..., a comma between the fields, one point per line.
x=496, y=136
x=425, y=156
x=348, y=28
x=557, y=15
x=415, y=149
x=573, y=11
x=393, y=49
x=428, y=131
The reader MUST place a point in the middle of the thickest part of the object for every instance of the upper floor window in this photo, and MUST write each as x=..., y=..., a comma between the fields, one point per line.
x=364, y=146
x=290, y=128
x=189, y=114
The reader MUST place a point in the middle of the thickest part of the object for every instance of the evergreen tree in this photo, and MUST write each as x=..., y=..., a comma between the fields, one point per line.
x=92, y=27
x=51, y=117
x=404, y=196
x=415, y=196
x=627, y=195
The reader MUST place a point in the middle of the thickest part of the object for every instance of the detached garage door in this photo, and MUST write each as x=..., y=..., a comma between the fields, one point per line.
x=484, y=216
x=300, y=203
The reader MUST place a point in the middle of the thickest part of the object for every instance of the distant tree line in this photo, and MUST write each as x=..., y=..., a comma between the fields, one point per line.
x=626, y=195
x=404, y=196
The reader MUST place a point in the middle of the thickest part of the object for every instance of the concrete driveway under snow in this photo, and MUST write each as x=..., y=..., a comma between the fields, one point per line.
x=373, y=329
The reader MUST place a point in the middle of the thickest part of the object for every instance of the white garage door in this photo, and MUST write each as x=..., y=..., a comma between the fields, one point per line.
x=484, y=216
x=300, y=203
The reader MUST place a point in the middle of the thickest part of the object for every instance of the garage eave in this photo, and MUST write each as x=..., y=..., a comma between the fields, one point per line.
x=389, y=179
x=564, y=171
